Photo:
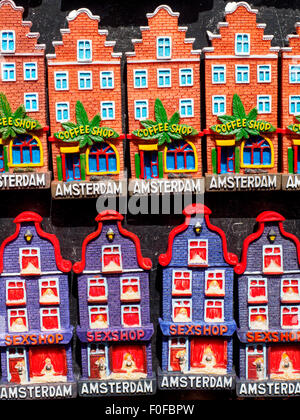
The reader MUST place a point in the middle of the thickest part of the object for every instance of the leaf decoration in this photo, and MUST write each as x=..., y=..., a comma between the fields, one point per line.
x=162, y=129
x=291, y=126
x=86, y=132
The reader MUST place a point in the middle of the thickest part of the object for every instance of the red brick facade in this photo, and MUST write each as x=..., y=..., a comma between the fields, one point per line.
x=84, y=68
x=240, y=61
x=23, y=82
x=164, y=66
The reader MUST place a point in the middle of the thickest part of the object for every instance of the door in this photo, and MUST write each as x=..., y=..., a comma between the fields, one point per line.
x=17, y=366
x=226, y=160
x=149, y=164
x=72, y=167
x=2, y=165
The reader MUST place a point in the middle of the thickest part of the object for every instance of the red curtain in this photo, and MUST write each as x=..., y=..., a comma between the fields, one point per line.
x=50, y=322
x=38, y=356
x=114, y=258
x=16, y=291
x=18, y=316
x=216, y=345
x=96, y=291
x=174, y=360
x=274, y=257
x=182, y=281
x=30, y=259
x=119, y=352
x=131, y=318
x=276, y=354
x=200, y=251
x=290, y=316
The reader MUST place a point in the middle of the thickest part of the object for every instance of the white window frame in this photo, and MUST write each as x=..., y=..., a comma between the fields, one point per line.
x=57, y=78
x=37, y=101
x=296, y=72
x=146, y=106
x=215, y=272
x=189, y=248
x=218, y=72
x=178, y=302
x=136, y=76
x=214, y=301
x=14, y=39
x=16, y=310
x=296, y=102
x=135, y=281
x=98, y=280
x=56, y=286
x=187, y=292
x=16, y=355
x=164, y=78
x=13, y=67
x=257, y=307
x=289, y=307
x=218, y=102
x=111, y=252
x=282, y=298
x=264, y=71
x=130, y=306
x=164, y=57
x=243, y=42
x=264, y=104
x=97, y=351
x=88, y=75
x=30, y=249
x=263, y=255
x=45, y=311
x=91, y=48
x=101, y=309
x=16, y=302
x=103, y=76
x=191, y=103
x=111, y=105
x=30, y=63
x=257, y=279
x=179, y=345
x=67, y=104
x=188, y=69
x=243, y=69
x=258, y=353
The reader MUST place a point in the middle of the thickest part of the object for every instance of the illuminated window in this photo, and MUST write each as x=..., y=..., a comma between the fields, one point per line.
x=272, y=259
x=111, y=258
x=97, y=289
x=182, y=310
x=17, y=320
x=30, y=261
x=98, y=317
x=130, y=289
x=258, y=318
x=50, y=319
x=15, y=292
x=198, y=252
x=131, y=316
x=49, y=291
x=214, y=310
x=257, y=291
x=214, y=283
x=182, y=283
x=290, y=291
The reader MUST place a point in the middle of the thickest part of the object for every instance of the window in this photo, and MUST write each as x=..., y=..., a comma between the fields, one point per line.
x=164, y=78
x=295, y=74
x=98, y=316
x=272, y=259
x=97, y=289
x=84, y=50
x=257, y=291
x=71, y=166
x=98, y=361
x=295, y=105
x=218, y=74
x=141, y=110
x=30, y=261
x=17, y=320
x=102, y=159
x=26, y=151
x=257, y=151
x=31, y=101
x=2, y=160
x=164, y=48
x=182, y=283
x=214, y=283
x=258, y=317
x=17, y=365
x=108, y=110
x=15, y=292
x=84, y=80
x=264, y=104
x=256, y=362
x=214, y=310
x=140, y=79
x=111, y=258
x=226, y=159
x=290, y=316
x=8, y=41
x=62, y=111
x=8, y=72
x=107, y=79
x=182, y=310
x=264, y=74
x=30, y=71
x=50, y=319
x=290, y=291
x=242, y=44
x=49, y=291
x=197, y=255
x=219, y=105
x=180, y=156
x=186, y=107
x=61, y=80
x=130, y=289
x=131, y=316
x=242, y=74
x=186, y=77
x=178, y=354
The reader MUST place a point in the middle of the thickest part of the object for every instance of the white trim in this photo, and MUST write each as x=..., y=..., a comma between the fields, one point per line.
x=2, y=71
x=222, y=290
x=106, y=355
x=134, y=78
x=193, y=108
x=56, y=279
x=171, y=60
x=84, y=60
x=30, y=249
x=33, y=35
x=55, y=80
x=127, y=270
x=37, y=101
x=16, y=354
x=185, y=345
x=75, y=13
x=84, y=78
x=44, y=273
x=212, y=73
x=235, y=44
x=14, y=40
x=163, y=6
x=137, y=282
x=146, y=105
x=187, y=292
x=247, y=70
x=97, y=279
x=270, y=71
x=290, y=72
x=114, y=110
x=265, y=280
x=232, y=6
x=12, y=5
x=282, y=295
x=48, y=309
x=225, y=104
x=192, y=76
x=72, y=63
x=24, y=71
x=264, y=111
x=266, y=56
x=113, y=79
x=15, y=302
x=164, y=57
x=190, y=263
x=293, y=113
x=170, y=75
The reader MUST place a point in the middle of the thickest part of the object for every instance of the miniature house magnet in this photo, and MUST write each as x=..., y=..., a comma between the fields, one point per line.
x=35, y=331
x=23, y=123
x=85, y=106
x=197, y=322
x=163, y=89
x=241, y=69
x=268, y=302
x=114, y=308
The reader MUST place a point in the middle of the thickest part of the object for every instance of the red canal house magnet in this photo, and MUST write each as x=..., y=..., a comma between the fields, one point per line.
x=84, y=83
x=241, y=104
x=163, y=90
x=23, y=122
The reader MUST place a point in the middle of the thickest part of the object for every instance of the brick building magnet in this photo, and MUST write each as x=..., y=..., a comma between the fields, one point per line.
x=241, y=69
x=197, y=300
x=35, y=330
x=23, y=122
x=163, y=90
x=114, y=310
x=85, y=106
x=268, y=310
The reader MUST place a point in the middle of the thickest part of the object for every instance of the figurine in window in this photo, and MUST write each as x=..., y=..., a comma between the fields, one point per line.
x=48, y=296
x=128, y=364
x=100, y=321
x=130, y=293
x=259, y=366
x=100, y=363
x=286, y=369
x=290, y=294
x=48, y=369
x=20, y=368
x=259, y=323
x=208, y=359
x=181, y=356
x=214, y=287
x=18, y=325
x=182, y=315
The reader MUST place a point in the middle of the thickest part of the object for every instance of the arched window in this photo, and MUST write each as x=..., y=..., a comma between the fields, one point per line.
x=180, y=156
x=102, y=158
x=26, y=150
x=257, y=151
